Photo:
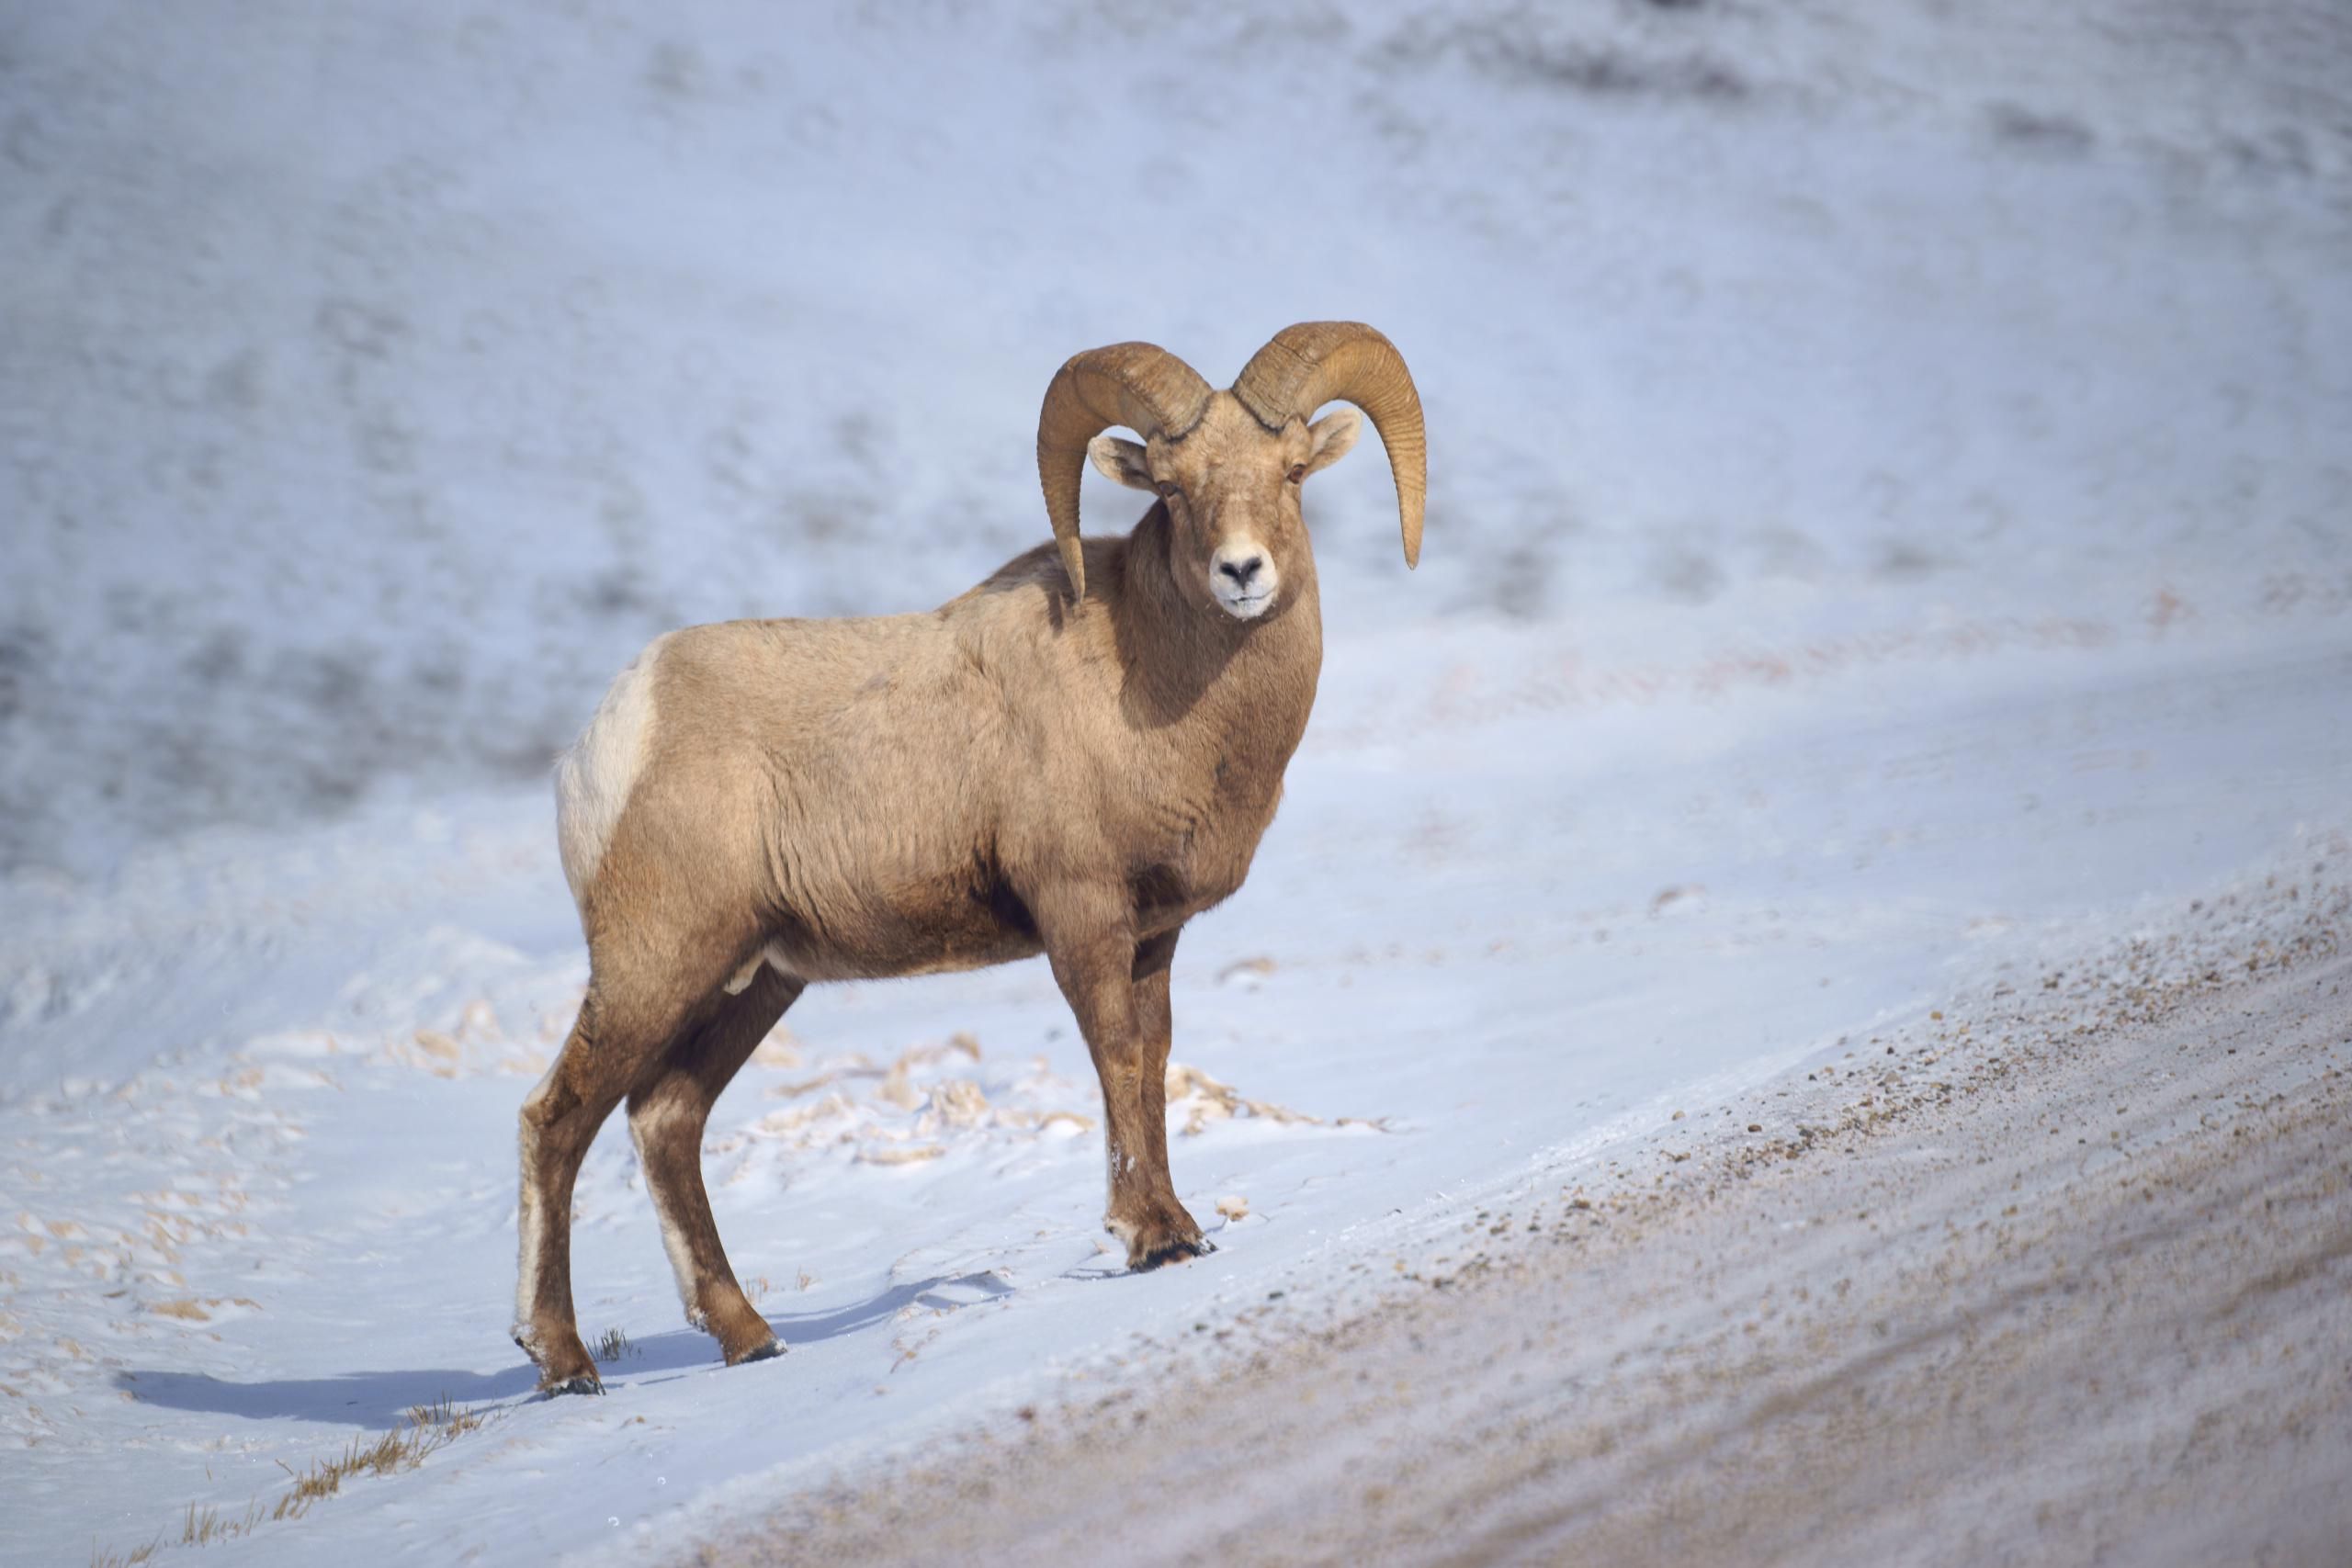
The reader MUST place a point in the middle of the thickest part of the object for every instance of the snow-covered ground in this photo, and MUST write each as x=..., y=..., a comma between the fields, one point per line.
x=1890, y=522
x=260, y=1100
x=381, y=377
x=2055, y=1275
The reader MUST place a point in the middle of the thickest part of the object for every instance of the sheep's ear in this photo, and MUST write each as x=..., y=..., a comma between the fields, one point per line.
x=1331, y=436
x=1120, y=460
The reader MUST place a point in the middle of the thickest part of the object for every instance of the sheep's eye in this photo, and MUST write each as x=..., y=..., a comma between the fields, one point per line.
x=1297, y=473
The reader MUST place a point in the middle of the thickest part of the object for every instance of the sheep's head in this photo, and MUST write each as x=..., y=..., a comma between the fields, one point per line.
x=1229, y=465
x=1231, y=487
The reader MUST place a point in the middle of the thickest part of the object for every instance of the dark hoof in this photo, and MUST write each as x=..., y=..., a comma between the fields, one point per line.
x=1171, y=1252
x=767, y=1352
x=582, y=1385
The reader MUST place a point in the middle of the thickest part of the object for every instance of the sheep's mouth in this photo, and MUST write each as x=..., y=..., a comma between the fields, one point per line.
x=1247, y=606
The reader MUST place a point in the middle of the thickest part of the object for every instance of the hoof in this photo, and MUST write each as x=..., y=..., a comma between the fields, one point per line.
x=767, y=1352
x=1165, y=1233
x=563, y=1362
x=1173, y=1251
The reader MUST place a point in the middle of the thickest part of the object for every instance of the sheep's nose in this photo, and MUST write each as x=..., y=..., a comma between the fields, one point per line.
x=1241, y=570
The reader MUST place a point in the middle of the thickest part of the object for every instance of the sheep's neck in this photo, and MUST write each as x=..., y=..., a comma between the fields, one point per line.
x=1236, y=692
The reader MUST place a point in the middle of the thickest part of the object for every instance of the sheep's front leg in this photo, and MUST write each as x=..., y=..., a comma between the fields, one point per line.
x=1111, y=987
x=1156, y=1024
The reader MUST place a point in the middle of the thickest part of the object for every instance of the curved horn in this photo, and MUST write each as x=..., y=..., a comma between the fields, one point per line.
x=1138, y=385
x=1315, y=363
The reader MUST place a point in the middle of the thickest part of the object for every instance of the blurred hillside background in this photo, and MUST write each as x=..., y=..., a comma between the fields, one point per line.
x=374, y=380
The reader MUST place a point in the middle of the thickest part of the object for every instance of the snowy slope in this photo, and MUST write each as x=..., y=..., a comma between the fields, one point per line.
x=1467, y=963
x=1889, y=530
x=381, y=378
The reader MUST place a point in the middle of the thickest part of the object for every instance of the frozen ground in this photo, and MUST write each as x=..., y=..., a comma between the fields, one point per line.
x=2055, y=1277
x=1888, y=539
x=258, y=1145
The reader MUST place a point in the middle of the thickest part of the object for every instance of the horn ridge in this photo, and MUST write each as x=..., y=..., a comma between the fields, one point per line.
x=1313, y=363
x=1137, y=384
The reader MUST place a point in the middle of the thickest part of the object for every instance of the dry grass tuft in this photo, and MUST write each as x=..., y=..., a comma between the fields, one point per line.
x=204, y=1528
x=430, y=1427
x=612, y=1347
x=1215, y=1101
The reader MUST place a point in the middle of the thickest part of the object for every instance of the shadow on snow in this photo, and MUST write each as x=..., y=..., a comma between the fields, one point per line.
x=384, y=1399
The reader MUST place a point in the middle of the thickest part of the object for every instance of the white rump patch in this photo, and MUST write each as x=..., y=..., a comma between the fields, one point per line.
x=592, y=780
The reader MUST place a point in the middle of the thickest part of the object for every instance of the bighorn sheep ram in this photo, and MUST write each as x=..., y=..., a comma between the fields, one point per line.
x=1074, y=758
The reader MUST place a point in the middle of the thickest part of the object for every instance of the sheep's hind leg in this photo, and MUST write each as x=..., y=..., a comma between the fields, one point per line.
x=644, y=993
x=558, y=1122
x=667, y=1113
